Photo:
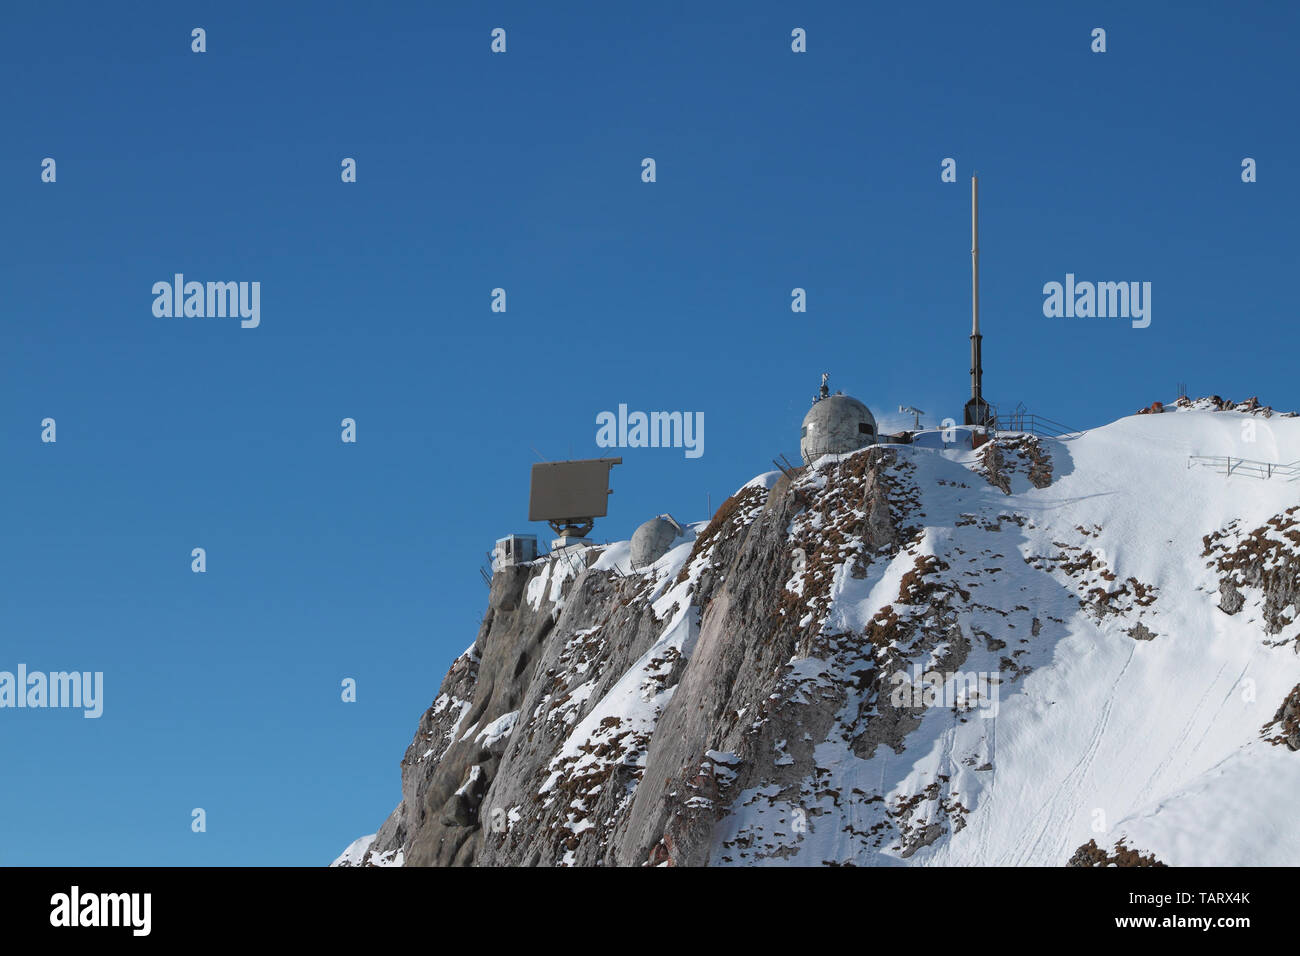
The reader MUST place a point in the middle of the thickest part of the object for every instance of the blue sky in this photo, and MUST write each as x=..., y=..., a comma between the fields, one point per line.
x=775, y=170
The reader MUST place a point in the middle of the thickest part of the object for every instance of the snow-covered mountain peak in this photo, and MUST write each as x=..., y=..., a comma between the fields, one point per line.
x=1026, y=651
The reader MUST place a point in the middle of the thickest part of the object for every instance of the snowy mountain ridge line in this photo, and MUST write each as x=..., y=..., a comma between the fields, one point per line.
x=739, y=702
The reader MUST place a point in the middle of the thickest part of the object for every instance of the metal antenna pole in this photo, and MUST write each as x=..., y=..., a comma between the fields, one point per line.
x=977, y=410
x=975, y=253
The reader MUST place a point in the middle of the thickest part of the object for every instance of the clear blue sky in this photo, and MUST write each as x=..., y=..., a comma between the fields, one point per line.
x=522, y=171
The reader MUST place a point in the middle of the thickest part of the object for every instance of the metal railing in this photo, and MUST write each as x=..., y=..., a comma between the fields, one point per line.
x=1227, y=465
x=1034, y=425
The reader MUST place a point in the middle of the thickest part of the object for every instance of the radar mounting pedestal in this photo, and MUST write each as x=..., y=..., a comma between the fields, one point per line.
x=572, y=528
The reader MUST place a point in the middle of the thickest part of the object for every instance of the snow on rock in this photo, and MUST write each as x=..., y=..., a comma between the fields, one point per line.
x=355, y=853
x=498, y=730
x=359, y=853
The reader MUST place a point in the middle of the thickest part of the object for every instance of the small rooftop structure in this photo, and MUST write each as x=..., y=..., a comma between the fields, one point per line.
x=514, y=549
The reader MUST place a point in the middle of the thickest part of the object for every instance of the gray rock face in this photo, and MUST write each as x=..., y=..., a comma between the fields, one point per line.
x=485, y=780
x=709, y=703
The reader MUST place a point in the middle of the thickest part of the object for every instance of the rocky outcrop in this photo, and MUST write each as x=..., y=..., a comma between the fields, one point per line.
x=1265, y=559
x=1092, y=855
x=1250, y=406
x=1284, y=728
x=1008, y=455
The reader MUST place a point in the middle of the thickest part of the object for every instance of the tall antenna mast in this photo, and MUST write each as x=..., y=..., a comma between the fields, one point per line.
x=975, y=269
x=977, y=410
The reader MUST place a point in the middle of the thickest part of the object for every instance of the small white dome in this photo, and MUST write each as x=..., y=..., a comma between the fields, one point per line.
x=652, y=540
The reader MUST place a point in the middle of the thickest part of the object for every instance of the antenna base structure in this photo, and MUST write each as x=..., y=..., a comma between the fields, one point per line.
x=979, y=412
x=571, y=532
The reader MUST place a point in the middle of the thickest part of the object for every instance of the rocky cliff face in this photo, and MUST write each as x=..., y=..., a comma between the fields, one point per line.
x=909, y=654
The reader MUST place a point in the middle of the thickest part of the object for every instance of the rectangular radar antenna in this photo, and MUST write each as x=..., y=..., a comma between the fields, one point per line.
x=570, y=495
